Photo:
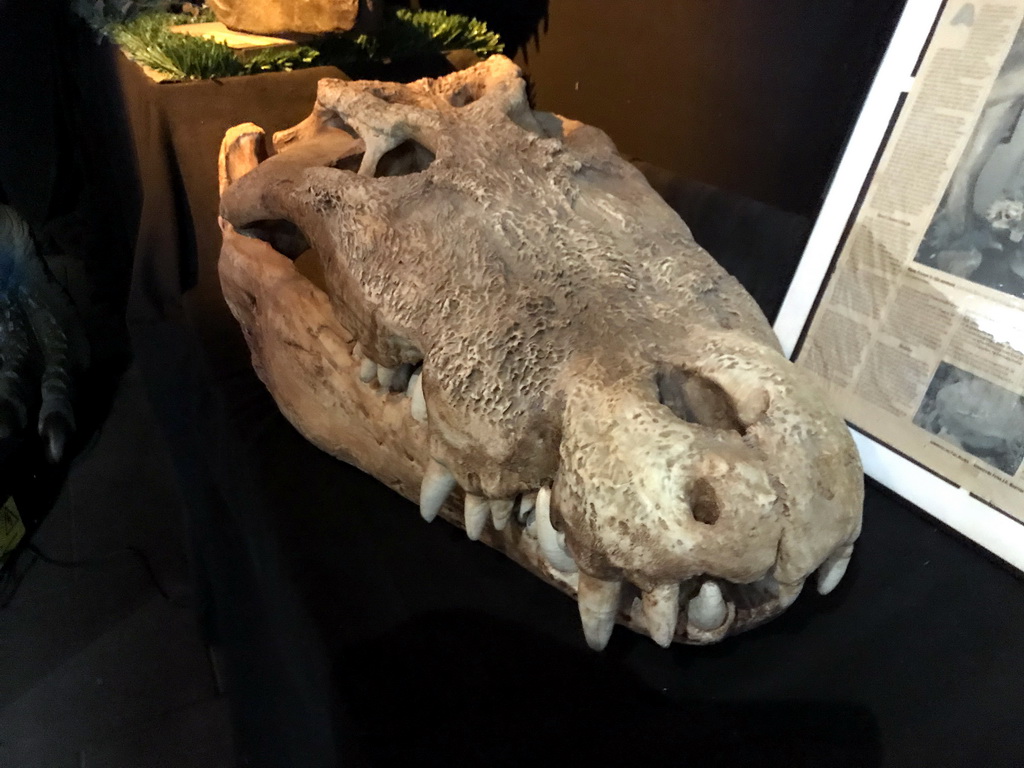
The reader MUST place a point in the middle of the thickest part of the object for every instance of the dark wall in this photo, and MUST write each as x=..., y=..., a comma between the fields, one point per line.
x=754, y=97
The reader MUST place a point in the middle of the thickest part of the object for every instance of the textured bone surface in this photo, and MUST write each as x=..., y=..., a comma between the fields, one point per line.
x=283, y=17
x=566, y=343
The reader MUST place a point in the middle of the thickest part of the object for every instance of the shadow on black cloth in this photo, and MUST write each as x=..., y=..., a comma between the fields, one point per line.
x=467, y=689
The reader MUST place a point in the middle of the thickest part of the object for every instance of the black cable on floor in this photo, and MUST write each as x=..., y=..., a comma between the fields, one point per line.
x=11, y=579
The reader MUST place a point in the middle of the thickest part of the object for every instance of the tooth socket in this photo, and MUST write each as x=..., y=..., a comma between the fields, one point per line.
x=707, y=610
x=709, y=616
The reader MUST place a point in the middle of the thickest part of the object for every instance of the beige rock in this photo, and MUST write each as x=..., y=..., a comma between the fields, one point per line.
x=287, y=17
x=555, y=336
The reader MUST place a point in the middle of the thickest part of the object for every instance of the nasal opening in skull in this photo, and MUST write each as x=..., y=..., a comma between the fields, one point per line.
x=704, y=504
x=408, y=157
x=695, y=399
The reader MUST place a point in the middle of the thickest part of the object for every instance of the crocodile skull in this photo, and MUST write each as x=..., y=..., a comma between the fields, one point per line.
x=505, y=322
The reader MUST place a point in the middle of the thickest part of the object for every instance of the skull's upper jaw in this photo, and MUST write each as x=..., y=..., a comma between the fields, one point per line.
x=688, y=495
x=700, y=494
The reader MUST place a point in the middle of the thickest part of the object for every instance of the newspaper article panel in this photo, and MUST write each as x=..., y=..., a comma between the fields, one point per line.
x=919, y=334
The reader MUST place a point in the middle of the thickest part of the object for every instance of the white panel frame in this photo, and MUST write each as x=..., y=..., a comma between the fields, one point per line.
x=997, y=532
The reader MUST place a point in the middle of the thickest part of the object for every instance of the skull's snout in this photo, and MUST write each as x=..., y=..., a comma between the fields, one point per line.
x=658, y=491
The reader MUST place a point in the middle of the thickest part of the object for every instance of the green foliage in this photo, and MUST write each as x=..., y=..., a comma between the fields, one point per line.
x=148, y=40
x=404, y=33
x=414, y=33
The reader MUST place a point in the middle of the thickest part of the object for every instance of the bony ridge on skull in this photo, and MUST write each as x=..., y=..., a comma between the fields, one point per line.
x=504, y=322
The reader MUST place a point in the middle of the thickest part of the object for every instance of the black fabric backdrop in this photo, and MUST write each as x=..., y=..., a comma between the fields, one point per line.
x=348, y=623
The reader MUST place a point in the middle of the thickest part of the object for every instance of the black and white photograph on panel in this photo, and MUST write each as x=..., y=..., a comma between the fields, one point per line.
x=977, y=232
x=975, y=415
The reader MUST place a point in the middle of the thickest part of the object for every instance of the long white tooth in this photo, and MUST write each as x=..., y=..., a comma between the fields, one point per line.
x=707, y=610
x=385, y=376
x=501, y=512
x=367, y=370
x=438, y=483
x=661, y=613
x=551, y=542
x=599, y=603
x=833, y=569
x=357, y=351
x=418, y=406
x=526, y=505
x=478, y=511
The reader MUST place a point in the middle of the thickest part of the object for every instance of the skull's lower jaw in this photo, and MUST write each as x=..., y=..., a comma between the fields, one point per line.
x=373, y=418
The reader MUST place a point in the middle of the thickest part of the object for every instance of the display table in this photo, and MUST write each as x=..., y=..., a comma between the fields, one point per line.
x=354, y=632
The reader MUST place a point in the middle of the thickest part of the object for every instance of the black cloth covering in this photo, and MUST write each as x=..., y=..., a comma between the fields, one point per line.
x=354, y=633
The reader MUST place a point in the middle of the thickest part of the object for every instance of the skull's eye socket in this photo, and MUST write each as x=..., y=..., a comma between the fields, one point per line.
x=465, y=94
x=695, y=399
x=407, y=158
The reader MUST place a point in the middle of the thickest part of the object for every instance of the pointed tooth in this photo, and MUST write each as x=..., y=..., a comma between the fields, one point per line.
x=707, y=611
x=598, y=604
x=438, y=483
x=501, y=512
x=367, y=370
x=526, y=506
x=385, y=376
x=478, y=511
x=401, y=378
x=551, y=543
x=788, y=593
x=661, y=613
x=418, y=406
x=357, y=351
x=833, y=569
